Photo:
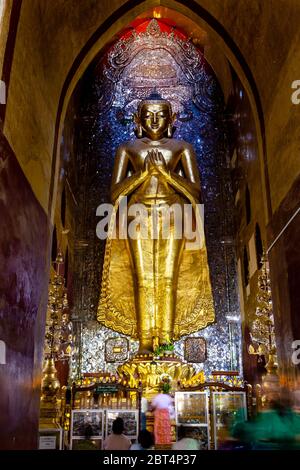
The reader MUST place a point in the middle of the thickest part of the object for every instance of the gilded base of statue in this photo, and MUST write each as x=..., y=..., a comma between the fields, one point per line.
x=159, y=374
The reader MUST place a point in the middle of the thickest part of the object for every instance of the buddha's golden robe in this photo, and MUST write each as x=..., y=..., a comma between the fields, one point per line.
x=155, y=287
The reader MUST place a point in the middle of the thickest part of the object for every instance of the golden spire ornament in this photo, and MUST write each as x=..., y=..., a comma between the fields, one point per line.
x=262, y=333
x=58, y=337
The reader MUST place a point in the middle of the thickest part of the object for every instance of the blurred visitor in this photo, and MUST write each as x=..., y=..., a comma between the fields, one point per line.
x=225, y=439
x=186, y=441
x=87, y=443
x=117, y=440
x=296, y=395
x=144, y=409
x=161, y=404
x=275, y=428
x=145, y=441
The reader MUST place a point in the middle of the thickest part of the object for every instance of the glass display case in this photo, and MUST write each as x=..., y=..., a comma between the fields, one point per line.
x=192, y=412
x=87, y=428
x=228, y=408
x=131, y=422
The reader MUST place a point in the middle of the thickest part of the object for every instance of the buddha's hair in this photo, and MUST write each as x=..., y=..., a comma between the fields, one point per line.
x=154, y=98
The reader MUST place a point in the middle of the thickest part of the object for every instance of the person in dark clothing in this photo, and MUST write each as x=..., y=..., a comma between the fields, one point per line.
x=145, y=441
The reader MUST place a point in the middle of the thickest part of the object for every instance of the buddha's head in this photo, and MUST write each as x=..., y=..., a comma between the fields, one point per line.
x=154, y=118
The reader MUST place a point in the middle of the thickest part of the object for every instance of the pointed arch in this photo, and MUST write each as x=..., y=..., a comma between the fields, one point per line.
x=105, y=33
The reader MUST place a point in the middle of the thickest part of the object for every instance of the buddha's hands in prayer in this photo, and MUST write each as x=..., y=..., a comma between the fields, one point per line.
x=155, y=161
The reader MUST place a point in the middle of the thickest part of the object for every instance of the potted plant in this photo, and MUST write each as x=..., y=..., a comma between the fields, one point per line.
x=165, y=349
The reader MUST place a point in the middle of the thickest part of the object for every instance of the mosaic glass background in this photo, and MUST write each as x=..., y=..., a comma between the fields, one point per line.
x=108, y=95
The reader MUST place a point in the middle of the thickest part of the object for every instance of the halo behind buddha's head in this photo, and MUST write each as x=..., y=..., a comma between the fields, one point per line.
x=154, y=98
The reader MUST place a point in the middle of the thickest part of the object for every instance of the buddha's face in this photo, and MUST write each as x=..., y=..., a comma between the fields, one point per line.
x=155, y=119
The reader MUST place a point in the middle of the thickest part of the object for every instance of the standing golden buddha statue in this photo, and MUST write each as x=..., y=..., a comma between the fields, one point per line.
x=155, y=287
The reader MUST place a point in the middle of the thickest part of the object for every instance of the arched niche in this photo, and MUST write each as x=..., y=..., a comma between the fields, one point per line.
x=149, y=54
x=191, y=16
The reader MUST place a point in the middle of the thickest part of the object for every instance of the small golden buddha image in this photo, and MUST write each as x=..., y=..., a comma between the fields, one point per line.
x=153, y=377
x=154, y=287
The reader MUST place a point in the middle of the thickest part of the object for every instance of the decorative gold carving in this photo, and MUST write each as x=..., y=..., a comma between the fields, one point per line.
x=263, y=334
x=58, y=340
x=50, y=405
x=194, y=380
x=152, y=374
x=50, y=382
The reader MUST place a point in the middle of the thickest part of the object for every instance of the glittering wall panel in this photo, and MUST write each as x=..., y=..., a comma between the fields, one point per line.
x=159, y=58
